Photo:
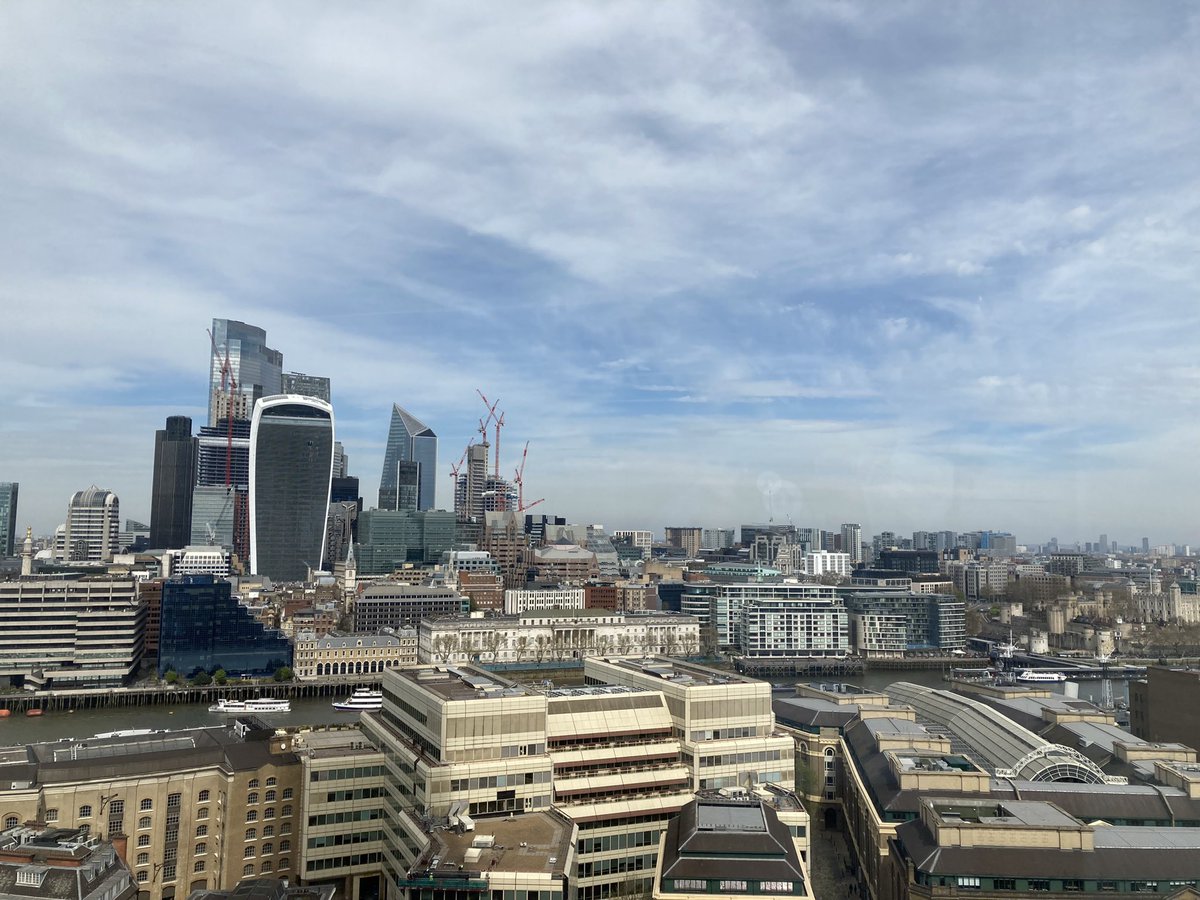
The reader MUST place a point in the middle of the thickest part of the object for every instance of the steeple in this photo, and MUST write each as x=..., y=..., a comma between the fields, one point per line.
x=27, y=552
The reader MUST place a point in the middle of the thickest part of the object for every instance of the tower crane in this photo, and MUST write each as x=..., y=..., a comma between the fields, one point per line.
x=519, y=481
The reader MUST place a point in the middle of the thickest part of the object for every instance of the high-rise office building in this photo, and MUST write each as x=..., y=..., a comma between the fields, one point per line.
x=685, y=537
x=92, y=527
x=409, y=440
x=472, y=484
x=306, y=385
x=291, y=466
x=255, y=367
x=341, y=461
x=175, y=456
x=8, y=516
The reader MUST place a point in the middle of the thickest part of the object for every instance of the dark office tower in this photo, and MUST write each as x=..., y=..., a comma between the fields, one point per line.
x=255, y=367
x=409, y=440
x=204, y=628
x=175, y=456
x=8, y=516
x=291, y=470
x=408, y=475
x=306, y=385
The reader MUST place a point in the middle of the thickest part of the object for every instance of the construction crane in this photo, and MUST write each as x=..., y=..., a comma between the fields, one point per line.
x=499, y=420
x=226, y=378
x=519, y=481
x=454, y=469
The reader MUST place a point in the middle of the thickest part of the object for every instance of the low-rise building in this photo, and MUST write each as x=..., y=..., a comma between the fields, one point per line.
x=354, y=654
x=555, y=635
x=530, y=599
x=62, y=864
x=394, y=605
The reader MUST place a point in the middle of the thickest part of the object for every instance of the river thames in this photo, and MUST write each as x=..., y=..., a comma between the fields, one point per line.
x=318, y=711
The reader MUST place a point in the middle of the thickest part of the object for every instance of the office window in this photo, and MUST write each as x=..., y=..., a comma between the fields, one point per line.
x=144, y=822
x=252, y=797
x=51, y=815
x=248, y=853
x=143, y=840
x=146, y=804
x=85, y=811
x=202, y=812
x=201, y=831
x=143, y=876
x=248, y=870
x=143, y=859
x=251, y=834
x=268, y=831
x=266, y=866
x=200, y=849
x=198, y=867
x=252, y=815
x=288, y=793
x=271, y=782
x=202, y=797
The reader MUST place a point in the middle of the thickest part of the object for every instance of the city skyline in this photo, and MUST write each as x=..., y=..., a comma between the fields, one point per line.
x=842, y=263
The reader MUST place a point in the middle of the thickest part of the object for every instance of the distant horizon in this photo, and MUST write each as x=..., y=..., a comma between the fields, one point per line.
x=881, y=263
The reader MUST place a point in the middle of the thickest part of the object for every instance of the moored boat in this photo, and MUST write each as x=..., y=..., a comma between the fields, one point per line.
x=1029, y=675
x=362, y=700
x=256, y=705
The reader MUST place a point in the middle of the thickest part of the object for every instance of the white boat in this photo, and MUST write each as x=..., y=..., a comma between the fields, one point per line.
x=363, y=699
x=1030, y=675
x=257, y=705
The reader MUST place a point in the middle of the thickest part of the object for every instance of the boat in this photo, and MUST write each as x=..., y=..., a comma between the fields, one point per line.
x=362, y=700
x=1030, y=675
x=33, y=712
x=257, y=705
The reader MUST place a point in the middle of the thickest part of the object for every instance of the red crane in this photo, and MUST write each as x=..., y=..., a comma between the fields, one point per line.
x=519, y=480
x=499, y=420
x=226, y=378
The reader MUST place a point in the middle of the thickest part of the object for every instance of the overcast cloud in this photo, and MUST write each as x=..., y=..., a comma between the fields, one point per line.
x=914, y=265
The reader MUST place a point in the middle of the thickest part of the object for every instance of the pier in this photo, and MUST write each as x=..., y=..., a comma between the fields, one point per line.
x=180, y=695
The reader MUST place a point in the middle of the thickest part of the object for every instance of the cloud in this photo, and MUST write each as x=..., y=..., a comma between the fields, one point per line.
x=903, y=257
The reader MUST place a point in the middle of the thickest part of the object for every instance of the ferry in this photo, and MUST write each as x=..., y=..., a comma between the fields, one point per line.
x=257, y=705
x=1029, y=675
x=363, y=699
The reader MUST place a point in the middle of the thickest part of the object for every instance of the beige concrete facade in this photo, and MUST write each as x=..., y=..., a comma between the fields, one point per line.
x=354, y=654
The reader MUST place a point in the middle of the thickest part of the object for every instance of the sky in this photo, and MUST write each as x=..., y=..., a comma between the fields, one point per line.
x=913, y=265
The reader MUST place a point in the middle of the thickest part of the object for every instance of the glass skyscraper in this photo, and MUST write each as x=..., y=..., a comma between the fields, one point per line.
x=257, y=369
x=8, y=516
x=409, y=441
x=291, y=470
x=175, y=455
x=204, y=628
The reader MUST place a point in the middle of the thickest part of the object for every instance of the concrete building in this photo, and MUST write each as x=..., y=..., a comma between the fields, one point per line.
x=717, y=538
x=387, y=605
x=193, y=560
x=63, y=632
x=468, y=748
x=687, y=538
x=640, y=539
x=545, y=598
x=554, y=636
x=562, y=563
x=724, y=721
x=1165, y=705
x=92, y=526
x=198, y=809
x=353, y=654
x=817, y=563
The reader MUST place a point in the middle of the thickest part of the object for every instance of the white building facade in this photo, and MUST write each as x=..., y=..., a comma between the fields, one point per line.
x=517, y=602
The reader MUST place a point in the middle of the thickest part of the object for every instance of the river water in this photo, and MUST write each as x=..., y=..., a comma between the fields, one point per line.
x=85, y=723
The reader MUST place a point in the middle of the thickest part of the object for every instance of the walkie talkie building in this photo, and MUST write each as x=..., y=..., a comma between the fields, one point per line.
x=291, y=466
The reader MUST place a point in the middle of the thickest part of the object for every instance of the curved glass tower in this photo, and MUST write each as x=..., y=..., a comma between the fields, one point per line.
x=291, y=467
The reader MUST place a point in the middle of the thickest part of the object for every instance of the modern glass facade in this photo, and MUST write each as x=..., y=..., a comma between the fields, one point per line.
x=8, y=516
x=203, y=627
x=257, y=369
x=409, y=440
x=291, y=470
x=175, y=455
x=390, y=538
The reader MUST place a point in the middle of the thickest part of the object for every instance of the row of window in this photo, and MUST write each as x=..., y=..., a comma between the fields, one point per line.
x=269, y=797
x=268, y=831
x=268, y=813
x=358, y=815
x=494, y=781
x=1066, y=885
x=343, y=774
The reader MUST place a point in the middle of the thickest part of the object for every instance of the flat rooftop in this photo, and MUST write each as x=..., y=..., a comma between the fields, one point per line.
x=324, y=744
x=463, y=683
x=1014, y=813
x=530, y=842
x=679, y=672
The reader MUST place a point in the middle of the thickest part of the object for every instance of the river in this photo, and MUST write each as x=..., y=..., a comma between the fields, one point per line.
x=89, y=722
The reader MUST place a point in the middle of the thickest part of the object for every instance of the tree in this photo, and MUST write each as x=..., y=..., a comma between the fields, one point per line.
x=284, y=673
x=492, y=642
x=541, y=646
x=201, y=679
x=445, y=646
x=172, y=677
x=522, y=648
x=670, y=642
x=220, y=677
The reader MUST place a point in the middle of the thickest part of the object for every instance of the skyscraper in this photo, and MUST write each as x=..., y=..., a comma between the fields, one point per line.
x=852, y=541
x=93, y=523
x=8, y=516
x=291, y=469
x=175, y=456
x=306, y=385
x=257, y=369
x=409, y=440
x=471, y=485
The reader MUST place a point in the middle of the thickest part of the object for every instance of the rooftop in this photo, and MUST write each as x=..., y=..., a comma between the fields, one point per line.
x=676, y=671
x=532, y=842
x=461, y=682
